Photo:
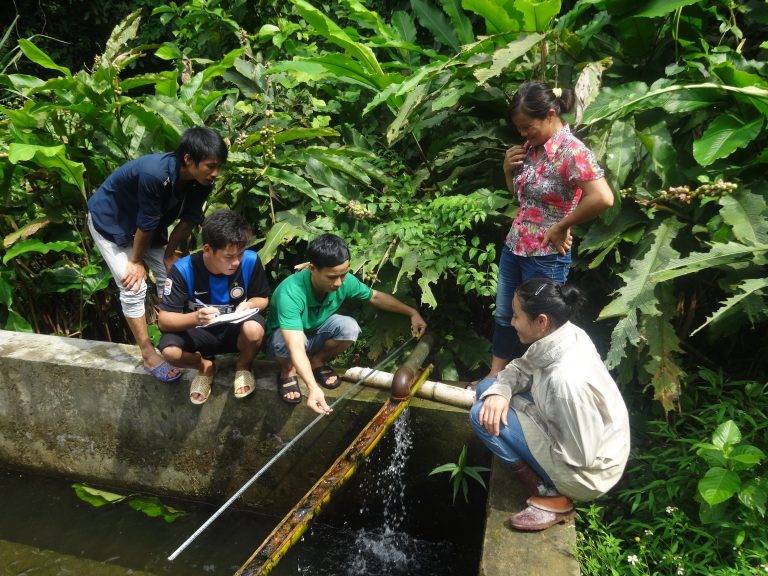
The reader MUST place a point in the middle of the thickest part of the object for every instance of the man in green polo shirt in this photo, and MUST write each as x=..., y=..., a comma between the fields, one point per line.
x=304, y=331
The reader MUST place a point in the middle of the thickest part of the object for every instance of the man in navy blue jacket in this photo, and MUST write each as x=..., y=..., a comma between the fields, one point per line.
x=131, y=212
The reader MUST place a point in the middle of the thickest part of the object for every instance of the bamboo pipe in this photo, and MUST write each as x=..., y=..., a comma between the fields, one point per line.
x=437, y=391
x=401, y=381
x=295, y=523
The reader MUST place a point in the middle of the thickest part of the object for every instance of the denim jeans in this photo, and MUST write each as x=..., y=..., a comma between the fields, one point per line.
x=513, y=271
x=337, y=327
x=510, y=444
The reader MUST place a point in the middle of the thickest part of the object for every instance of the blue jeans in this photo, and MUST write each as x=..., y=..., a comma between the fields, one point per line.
x=510, y=444
x=513, y=271
x=337, y=327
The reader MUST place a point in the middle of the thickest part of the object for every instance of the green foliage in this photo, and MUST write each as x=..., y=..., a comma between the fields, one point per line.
x=684, y=504
x=148, y=505
x=386, y=127
x=460, y=471
x=732, y=472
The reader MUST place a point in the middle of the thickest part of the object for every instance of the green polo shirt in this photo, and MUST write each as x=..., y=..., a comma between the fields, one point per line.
x=293, y=305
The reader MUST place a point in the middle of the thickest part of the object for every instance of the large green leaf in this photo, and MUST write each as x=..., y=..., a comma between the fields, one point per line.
x=588, y=84
x=637, y=294
x=497, y=19
x=299, y=133
x=6, y=288
x=718, y=485
x=369, y=19
x=639, y=279
x=328, y=68
x=721, y=253
x=331, y=32
x=173, y=112
x=656, y=8
x=635, y=96
x=745, y=289
x=753, y=495
x=121, y=35
x=724, y=136
x=661, y=150
x=620, y=156
x=436, y=22
x=21, y=82
x=33, y=245
x=503, y=57
x=745, y=213
x=96, y=497
x=727, y=433
x=290, y=224
x=152, y=506
x=17, y=323
x=744, y=457
x=50, y=157
x=537, y=14
x=41, y=58
x=292, y=180
x=663, y=346
x=461, y=24
x=400, y=124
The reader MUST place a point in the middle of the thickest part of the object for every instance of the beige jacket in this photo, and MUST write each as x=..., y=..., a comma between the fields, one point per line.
x=577, y=427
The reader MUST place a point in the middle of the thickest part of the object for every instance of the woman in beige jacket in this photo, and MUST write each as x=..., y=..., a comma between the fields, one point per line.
x=555, y=414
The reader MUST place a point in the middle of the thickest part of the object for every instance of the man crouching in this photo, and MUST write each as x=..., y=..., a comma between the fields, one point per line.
x=222, y=278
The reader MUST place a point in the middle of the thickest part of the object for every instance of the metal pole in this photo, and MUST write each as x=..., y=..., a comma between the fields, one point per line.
x=277, y=456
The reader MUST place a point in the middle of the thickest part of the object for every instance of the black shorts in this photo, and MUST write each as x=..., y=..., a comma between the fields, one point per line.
x=208, y=341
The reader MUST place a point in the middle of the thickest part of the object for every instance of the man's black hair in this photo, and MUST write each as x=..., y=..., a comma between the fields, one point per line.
x=327, y=251
x=201, y=143
x=226, y=228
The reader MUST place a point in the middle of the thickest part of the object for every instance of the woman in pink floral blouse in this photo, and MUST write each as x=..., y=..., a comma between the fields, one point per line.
x=558, y=184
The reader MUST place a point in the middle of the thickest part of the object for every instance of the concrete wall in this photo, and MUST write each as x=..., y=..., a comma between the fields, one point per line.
x=87, y=410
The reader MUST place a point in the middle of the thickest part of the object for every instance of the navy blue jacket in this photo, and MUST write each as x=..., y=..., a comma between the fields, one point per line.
x=142, y=194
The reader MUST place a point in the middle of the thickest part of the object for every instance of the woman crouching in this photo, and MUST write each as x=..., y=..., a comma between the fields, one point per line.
x=554, y=414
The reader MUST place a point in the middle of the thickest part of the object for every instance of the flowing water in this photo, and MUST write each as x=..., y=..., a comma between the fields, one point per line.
x=377, y=525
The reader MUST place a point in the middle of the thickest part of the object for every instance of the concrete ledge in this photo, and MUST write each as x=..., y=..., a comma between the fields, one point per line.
x=508, y=553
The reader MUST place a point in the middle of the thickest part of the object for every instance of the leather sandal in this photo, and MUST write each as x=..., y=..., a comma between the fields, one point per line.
x=324, y=375
x=287, y=385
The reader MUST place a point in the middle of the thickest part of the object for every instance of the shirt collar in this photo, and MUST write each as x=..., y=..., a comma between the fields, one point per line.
x=556, y=140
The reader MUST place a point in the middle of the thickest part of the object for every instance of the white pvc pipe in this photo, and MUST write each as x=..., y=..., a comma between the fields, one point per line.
x=437, y=391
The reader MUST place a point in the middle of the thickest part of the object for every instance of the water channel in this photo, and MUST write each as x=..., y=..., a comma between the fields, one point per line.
x=378, y=524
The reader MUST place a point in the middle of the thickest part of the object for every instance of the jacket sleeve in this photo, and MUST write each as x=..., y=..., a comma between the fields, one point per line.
x=515, y=378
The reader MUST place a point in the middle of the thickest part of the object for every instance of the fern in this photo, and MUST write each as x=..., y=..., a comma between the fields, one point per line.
x=663, y=347
x=750, y=287
x=637, y=292
x=720, y=254
x=637, y=295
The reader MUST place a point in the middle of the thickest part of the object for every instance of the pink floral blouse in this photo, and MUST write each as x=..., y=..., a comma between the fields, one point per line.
x=547, y=188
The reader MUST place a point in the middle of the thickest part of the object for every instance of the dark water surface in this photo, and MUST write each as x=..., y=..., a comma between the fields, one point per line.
x=376, y=525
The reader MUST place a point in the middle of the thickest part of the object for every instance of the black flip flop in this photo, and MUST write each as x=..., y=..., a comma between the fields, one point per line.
x=286, y=386
x=323, y=374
